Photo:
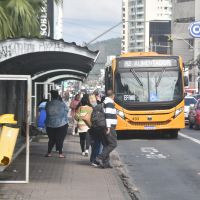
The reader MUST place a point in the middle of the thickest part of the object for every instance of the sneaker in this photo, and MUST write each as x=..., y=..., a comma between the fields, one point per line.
x=83, y=153
x=107, y=166
x=95, y=164
x=100, y=161
x=86, y=152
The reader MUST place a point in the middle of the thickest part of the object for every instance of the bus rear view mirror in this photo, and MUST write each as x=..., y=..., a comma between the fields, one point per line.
x=186, y=81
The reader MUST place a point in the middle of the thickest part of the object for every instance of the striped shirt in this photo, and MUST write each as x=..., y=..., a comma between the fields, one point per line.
x=110, y=113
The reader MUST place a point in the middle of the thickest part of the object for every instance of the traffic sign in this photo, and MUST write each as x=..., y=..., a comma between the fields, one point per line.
x=194, y=29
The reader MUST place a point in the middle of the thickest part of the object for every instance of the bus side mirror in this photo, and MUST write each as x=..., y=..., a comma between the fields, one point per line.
x=192, y=106
x=186, y=81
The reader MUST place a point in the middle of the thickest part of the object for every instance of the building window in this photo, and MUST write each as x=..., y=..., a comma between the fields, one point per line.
x=181, y=1
x=191, y=43
x=185, y=20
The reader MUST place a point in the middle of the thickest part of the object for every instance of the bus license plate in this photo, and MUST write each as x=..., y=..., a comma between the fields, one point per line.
x=149, y=128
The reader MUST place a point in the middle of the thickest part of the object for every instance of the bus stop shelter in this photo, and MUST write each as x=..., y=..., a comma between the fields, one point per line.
x=34, y=61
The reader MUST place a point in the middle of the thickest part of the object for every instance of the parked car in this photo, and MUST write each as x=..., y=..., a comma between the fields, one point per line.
x=189, y=102
x=194, y=116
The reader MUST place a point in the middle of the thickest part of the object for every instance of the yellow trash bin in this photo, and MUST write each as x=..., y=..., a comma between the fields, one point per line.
x=7, y=119
x=8, y=138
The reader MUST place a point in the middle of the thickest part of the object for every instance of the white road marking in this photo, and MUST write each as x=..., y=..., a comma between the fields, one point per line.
x=152, y=153
x=190, y=138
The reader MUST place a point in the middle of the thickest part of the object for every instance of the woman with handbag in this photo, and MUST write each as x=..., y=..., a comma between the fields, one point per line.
x=83, y=115
x=73, y=105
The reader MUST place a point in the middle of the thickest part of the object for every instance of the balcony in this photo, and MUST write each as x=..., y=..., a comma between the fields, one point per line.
x=140, y=40
x=139, y=33
x=139, y=48
x=140, y=26
x=140, y=5
x=140, y=12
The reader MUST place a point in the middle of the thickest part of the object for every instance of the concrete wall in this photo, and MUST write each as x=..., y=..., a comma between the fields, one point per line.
x=180, y=30
x=197, y=18
x=181, y=36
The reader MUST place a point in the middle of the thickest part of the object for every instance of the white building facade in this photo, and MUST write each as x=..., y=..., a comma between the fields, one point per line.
x=142, y=19
x=58, y=20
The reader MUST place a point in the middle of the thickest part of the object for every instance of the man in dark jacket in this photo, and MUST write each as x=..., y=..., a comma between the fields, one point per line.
x=109, y=138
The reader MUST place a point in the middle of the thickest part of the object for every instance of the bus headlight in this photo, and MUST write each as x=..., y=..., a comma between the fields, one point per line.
x=121, y=114
x=177, y=112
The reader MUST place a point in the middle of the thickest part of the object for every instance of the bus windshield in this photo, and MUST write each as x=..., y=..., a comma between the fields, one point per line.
x=144, y=85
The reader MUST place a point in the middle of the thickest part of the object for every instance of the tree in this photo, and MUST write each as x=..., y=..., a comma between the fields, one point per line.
x=5, y=27
x=20, y=18
x=23, y=18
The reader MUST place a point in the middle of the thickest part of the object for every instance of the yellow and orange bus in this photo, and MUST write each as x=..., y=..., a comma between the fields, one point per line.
x=149, y=92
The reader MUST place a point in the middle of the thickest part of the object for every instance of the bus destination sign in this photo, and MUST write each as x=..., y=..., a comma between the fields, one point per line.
x=148, y=63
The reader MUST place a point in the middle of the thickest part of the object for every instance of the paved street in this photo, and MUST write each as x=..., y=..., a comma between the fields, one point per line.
x=164, y=169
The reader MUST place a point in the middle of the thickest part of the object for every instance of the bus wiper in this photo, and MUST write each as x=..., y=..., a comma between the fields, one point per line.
x=160, y=77
x=136, y=77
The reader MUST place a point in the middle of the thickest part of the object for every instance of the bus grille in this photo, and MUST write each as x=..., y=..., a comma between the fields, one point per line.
x=149, y=123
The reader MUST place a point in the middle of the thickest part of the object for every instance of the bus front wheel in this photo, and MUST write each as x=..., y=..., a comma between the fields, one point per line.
x=174, y=134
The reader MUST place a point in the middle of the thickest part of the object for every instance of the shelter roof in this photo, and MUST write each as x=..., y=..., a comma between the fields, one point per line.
x=34, y=56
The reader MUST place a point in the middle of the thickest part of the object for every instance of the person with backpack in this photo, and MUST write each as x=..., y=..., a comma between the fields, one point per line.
x=109, y=136
x=95, y=130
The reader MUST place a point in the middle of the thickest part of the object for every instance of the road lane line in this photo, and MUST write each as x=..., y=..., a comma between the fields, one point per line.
x=190, y=138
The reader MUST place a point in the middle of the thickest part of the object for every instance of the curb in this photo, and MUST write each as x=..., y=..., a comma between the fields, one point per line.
x=123, y=174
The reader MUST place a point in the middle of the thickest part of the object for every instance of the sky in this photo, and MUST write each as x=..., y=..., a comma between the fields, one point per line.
x=83, y=20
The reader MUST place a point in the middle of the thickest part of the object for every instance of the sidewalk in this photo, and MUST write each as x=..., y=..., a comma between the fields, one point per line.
x=71, y=178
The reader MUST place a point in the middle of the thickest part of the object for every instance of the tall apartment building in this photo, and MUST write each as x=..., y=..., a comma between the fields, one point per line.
x=184, y=13
x=147, y=24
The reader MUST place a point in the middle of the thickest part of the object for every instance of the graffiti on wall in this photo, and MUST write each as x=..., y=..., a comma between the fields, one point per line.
x=11, y=49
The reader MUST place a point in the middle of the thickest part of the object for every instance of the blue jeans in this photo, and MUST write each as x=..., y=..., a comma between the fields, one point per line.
x=96, y=145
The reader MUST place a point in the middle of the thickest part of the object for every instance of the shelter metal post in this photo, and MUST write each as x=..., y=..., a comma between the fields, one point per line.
x=28, y=122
